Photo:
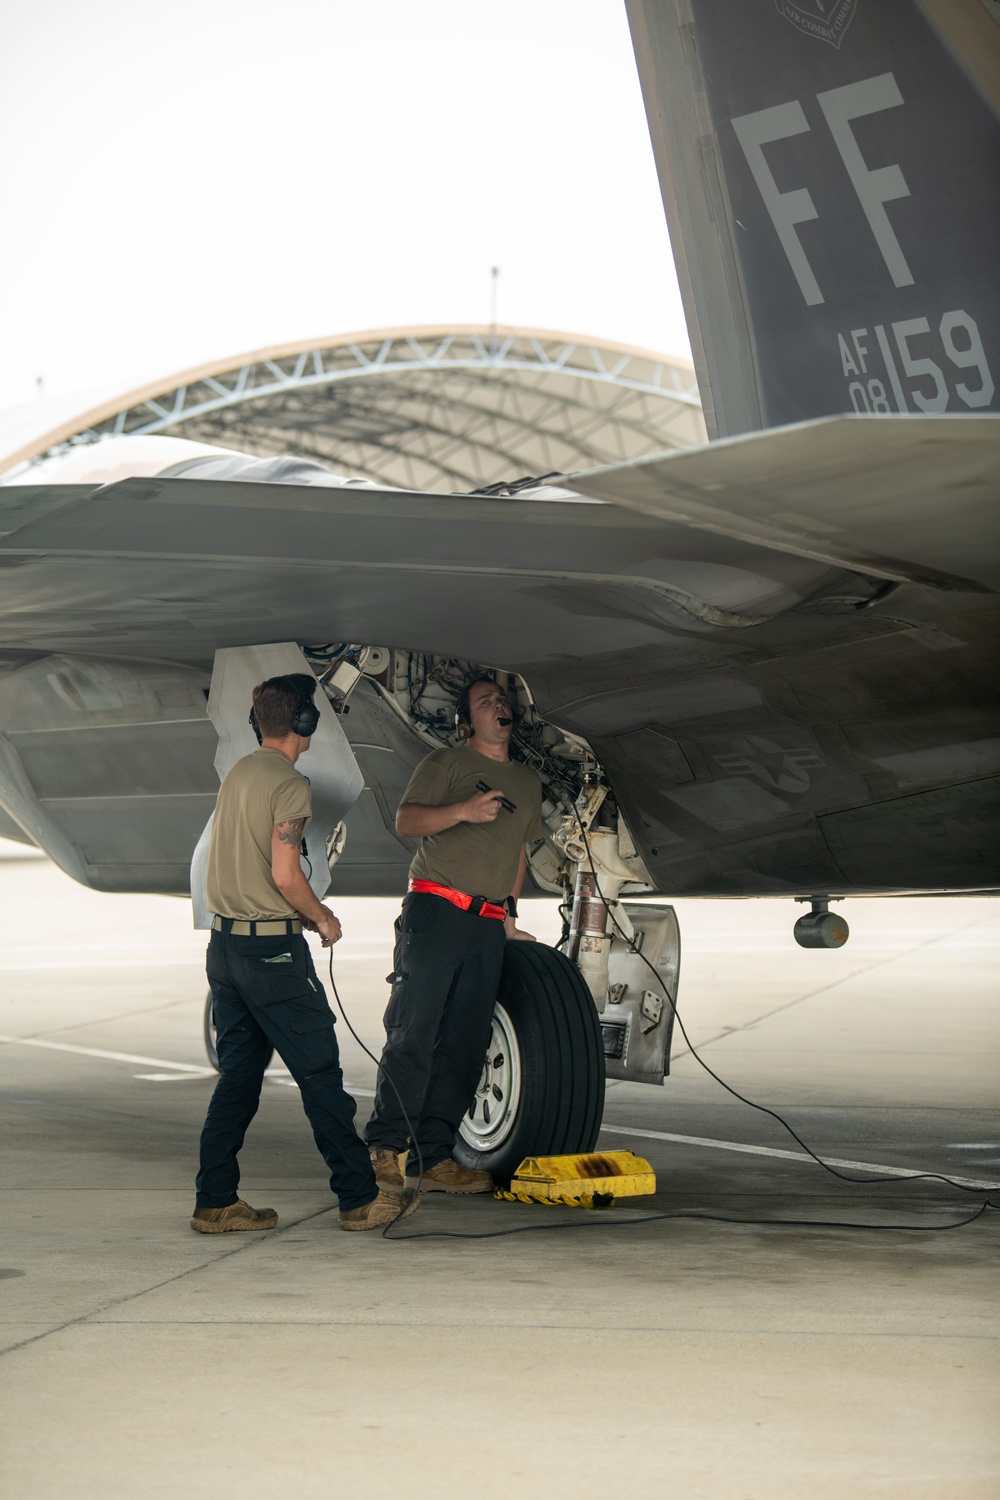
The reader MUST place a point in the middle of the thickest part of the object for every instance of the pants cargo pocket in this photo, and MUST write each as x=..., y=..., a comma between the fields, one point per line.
x=304, y=1016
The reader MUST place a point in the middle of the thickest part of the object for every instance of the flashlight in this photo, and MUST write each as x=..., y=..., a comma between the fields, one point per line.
x=504, y=801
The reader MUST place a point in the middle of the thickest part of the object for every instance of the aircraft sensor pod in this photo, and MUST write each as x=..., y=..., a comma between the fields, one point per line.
x=821, y=928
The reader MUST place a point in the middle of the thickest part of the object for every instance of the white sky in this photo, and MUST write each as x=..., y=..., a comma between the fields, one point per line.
x=190, y=180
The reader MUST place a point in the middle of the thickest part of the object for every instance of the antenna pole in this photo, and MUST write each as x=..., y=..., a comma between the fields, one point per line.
x=494, y=277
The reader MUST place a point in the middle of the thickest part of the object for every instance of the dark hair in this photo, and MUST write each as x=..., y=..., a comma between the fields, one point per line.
x=463, y=708
x=276, y=702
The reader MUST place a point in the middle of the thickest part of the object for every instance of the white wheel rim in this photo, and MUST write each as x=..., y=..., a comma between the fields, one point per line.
x=490, y=1117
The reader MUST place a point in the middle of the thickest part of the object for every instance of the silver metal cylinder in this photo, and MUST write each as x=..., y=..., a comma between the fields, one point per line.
x=589, y=918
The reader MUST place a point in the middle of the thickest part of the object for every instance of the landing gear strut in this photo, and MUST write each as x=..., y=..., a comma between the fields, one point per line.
x=821, y=928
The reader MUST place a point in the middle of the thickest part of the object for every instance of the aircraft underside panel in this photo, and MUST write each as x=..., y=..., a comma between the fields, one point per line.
x=750, y=696
x=106, y=764
x=806, y=772
x=877, y=772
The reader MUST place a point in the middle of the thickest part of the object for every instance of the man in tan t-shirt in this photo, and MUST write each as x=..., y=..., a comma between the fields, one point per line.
x=450, y=938
x=265, y=991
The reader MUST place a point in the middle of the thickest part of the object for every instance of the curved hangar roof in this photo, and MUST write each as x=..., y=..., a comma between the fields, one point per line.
x=418, y=408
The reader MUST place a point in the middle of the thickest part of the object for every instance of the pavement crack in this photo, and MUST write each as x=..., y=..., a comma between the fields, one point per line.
x=96, y=1315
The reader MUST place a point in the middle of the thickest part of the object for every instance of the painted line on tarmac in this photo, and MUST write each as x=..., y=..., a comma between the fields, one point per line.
x=799, y=1156
x=290, y=1083
x=179, y=1071
x=652, y=1135
x=129, y=1057
x=104, y=963
x=369, y=953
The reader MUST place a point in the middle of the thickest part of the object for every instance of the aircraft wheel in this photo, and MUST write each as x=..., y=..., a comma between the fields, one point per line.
x=210, y=1047
x=541, y=1092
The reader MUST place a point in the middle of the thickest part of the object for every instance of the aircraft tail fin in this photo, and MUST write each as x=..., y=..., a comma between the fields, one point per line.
x=830, y=171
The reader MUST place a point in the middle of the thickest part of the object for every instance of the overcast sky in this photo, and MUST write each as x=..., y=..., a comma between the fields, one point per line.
x=190, y=180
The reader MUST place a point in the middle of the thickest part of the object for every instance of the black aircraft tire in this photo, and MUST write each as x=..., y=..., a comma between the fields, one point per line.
x=553, y=1099
x=210, y=1047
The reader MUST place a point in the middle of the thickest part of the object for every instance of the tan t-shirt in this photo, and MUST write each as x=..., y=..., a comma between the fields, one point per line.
x=478, y=858
x=261, y=789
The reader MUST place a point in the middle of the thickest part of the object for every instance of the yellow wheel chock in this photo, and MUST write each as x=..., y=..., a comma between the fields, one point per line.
x=594, y=1180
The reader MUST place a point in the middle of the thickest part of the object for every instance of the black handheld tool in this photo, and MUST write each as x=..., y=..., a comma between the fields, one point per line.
x=505, y=802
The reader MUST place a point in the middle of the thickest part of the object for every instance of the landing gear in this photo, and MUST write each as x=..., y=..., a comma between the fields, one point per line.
x=821, y=928
x=210, y=1047
x=541, y=1092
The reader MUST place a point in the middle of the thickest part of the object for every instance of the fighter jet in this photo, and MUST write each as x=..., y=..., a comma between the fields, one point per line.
x=765, y=666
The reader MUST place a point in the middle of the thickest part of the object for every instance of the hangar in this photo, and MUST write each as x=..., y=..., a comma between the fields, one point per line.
x=447, y=408
x=432, y=409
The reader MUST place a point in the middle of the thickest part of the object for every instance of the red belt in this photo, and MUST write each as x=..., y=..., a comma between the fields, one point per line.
x=478, y=905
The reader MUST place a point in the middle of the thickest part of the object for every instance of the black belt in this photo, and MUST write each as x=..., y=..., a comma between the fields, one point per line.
x=269, y=927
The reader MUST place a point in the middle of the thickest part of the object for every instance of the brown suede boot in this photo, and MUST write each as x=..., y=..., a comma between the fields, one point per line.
x=238, y=1215
x=381, y=1211
x=449, y=1177
x=385, y=1165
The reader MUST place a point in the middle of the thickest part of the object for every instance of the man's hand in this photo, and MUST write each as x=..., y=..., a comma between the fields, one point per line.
x=482, y=807
x=512, y=930
x=328, y=927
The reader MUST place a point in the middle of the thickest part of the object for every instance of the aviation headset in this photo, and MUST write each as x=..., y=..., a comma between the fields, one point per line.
x=463, y=708
x=306, y=715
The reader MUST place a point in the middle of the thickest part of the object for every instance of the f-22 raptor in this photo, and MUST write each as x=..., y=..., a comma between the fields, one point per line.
x=764, y=666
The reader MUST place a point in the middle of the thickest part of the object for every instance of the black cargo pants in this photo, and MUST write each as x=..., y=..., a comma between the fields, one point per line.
x=446, y=974
x=265, y=990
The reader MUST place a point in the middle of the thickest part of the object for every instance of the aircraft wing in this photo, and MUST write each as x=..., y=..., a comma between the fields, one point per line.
x=904, y=498
x=683, y=639
x=114, y=600
x=177, y=567
x=726, y=536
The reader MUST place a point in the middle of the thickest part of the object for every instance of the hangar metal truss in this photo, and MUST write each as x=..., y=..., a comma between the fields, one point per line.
x=421, y=408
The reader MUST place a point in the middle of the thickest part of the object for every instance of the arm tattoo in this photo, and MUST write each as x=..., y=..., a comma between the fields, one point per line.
x=290, y=832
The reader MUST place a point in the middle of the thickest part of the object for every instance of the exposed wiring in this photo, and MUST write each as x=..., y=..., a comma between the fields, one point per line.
x=742, y=1098
x=763, y=1108
x=596, y=1221
x=600, y=1220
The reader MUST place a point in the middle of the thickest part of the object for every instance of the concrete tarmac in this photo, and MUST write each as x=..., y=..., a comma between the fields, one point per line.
x=681, y=1357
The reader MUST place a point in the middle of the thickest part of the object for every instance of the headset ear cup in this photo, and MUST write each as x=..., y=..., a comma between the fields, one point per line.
x=462, y=730
x=306, y=719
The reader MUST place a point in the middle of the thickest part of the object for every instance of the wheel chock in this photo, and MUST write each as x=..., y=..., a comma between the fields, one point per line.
x=593, y=1180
